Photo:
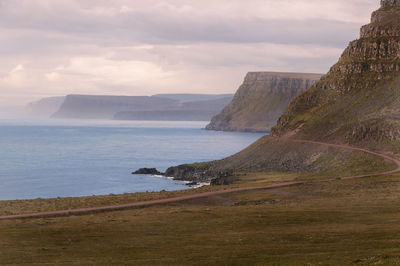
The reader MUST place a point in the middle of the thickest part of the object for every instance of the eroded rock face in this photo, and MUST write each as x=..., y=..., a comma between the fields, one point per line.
x=378, y=49
x=390, y=3
x=260, y=100
x=361, y=89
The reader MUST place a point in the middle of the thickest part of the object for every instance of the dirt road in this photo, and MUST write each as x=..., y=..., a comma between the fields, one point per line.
x=384, y=156
x=205, y=194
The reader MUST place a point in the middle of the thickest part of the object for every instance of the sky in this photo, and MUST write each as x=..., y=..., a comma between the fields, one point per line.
x=143, y=47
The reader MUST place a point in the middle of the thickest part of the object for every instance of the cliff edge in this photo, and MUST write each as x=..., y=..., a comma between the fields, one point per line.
x=261, y=100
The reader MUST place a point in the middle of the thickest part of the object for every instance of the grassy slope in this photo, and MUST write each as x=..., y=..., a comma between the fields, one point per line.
x=327, y=113
x=331, y=223
x=272, y=154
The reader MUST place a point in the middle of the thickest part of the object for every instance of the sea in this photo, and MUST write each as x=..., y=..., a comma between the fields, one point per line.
x=49, y=158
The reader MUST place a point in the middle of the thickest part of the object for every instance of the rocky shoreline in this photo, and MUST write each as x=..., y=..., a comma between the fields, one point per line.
x=195, y=175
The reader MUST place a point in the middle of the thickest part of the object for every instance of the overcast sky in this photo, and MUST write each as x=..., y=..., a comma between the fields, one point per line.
x=143, y=47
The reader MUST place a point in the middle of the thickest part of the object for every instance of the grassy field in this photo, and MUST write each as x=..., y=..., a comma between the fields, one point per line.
x=340, y=222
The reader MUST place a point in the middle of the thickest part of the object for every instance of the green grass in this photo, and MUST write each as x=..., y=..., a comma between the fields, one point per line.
x=330, y=223
x=356, y=163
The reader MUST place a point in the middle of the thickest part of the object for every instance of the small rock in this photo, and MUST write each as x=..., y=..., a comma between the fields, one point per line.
x=147, y=171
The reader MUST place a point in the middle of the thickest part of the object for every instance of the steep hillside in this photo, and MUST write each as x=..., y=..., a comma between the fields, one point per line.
x=261, y=100
x=357, y=102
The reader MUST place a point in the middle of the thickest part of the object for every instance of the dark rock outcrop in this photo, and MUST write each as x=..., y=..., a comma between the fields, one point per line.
x=260, y=100
x=147, y=171
x=198, y=173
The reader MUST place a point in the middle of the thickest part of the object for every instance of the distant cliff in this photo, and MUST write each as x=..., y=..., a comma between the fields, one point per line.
x=160, y=107
x=44, y=107
x=261, y=100
x=186, y=97
x=104, y=107
x=186, y=111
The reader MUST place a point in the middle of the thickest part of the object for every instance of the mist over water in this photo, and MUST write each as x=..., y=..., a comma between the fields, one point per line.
x=59, y=158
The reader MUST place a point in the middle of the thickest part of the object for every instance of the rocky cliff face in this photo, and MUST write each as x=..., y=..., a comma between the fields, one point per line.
x=260, y=100
x=357, y=102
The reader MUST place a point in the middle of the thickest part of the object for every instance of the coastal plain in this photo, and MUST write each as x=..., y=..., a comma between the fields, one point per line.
x=334, y=222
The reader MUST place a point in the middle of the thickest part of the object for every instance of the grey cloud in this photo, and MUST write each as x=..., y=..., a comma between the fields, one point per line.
x=156, y=27
x=164, y=29
x=206, y=46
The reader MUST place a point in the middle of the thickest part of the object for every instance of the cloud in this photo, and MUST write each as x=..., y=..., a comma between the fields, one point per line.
x=53, y=76
x=15, y=77
x=140, y=47
x=108, y=72
x=171, y=22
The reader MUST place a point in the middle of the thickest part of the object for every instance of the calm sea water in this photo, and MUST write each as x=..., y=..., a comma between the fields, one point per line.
x=53, y=158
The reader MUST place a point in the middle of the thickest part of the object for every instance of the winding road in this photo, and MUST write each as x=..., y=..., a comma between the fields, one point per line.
x=84, y=211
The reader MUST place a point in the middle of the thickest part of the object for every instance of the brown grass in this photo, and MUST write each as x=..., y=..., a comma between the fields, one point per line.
x=338, y=222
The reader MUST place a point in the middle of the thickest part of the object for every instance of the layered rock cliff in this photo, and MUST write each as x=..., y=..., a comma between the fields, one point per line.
x=260, y=100
x=357, y=102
